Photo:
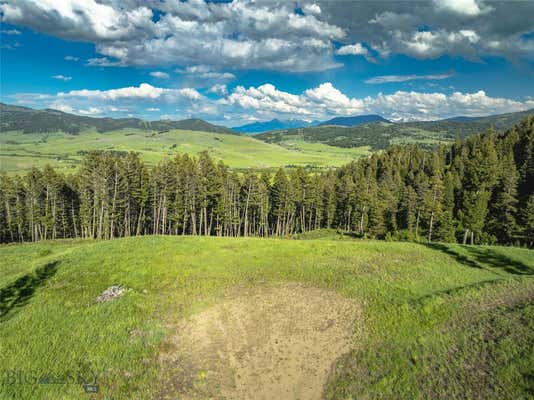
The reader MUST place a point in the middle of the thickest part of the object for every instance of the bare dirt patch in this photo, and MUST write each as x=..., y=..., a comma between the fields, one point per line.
x=266, y=343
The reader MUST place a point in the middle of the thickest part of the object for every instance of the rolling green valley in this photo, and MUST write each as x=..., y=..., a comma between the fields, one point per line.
x=21, y=152
x=49, y=137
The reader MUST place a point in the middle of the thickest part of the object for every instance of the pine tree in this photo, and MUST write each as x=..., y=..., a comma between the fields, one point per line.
x=528, y=214
x=504, y=205
x=446, y=225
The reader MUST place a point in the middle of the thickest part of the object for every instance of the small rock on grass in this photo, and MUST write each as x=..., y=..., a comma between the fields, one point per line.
x=111, y=293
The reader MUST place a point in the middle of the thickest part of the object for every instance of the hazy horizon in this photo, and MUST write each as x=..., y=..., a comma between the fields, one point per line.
x=232, y=63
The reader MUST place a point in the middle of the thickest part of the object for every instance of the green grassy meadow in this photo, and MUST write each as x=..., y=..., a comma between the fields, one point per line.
x=438, y=321
x=19, y=152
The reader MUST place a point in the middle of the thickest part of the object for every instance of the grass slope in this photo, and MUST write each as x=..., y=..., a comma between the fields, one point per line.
x=440, y=321
x=19, y=152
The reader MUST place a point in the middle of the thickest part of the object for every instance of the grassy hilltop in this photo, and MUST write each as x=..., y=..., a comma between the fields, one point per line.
x=420, y=322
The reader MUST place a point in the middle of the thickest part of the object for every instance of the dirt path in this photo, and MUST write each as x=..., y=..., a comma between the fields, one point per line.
x=269, y=343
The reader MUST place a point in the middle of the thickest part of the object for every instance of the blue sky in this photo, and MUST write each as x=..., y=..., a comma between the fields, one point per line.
x=238, y=62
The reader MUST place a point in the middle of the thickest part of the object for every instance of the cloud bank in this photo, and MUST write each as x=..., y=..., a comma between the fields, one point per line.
x=300, y=36
x=325, y=100
x=266, y=101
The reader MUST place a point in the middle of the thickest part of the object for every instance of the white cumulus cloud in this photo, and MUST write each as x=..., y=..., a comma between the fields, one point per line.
x=143, y=91
x=353, y=49
x=90, y=111
x=220, y=89
x=312, y=9
x=199, y=73
x=356, y=49
x=240, y=34
x=62, y=107
x=404, y=78
x=469, y=8
x=11, y=32
x=159, y=75
x=62, y=77
x=271, y=35
x=325, y=100
x=267, y=101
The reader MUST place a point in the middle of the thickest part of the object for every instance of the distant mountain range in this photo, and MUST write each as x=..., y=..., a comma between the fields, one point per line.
x=276, y=124
x=364, y=130
x=354, y=121
x=28, y=120
x=336, y=131
x=463, y=126
x=382, y=135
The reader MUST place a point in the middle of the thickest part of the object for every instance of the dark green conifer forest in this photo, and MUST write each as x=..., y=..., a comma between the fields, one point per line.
x=480, y=190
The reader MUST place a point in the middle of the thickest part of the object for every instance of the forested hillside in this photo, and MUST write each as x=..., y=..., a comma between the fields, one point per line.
x=381, y=136
x=28, y=120
x=274, y=124
x=377, y=135
x=354, y=121
x=465, y=126
x=479, y=190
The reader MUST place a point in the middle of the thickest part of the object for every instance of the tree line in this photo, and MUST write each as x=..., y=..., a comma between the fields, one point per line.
x=478, y=190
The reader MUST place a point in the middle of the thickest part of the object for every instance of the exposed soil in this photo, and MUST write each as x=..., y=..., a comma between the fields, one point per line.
x=266, y=343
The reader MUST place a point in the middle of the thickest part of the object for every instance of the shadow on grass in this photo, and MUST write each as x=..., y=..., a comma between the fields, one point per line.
x=19, y=292
x=483, y=257
x=456, y=289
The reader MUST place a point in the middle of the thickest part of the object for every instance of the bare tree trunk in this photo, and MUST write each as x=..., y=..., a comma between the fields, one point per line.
x=361, y=220
x=417, y=224
x=101, y=221
x=8, y=211
x=201, y=221
x=113, y=205
x=54, y=216
x=93, y=223
x=32, y=229
x=139, y=221
x=466, y=233
x=431, y=218
x=245, y=230
x=208, y=230
x=74, y=220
